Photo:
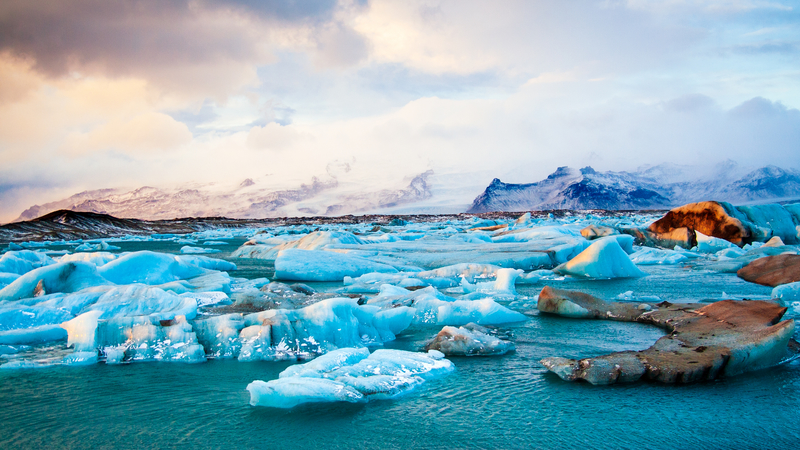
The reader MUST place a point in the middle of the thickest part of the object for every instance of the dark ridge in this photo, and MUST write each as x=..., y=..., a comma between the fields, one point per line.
x=70, y=225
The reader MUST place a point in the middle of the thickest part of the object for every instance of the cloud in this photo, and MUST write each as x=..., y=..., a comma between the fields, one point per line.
x=148, y=132
x=273, y=136
x=191, y=47
x=689, y=102
x=105, y=94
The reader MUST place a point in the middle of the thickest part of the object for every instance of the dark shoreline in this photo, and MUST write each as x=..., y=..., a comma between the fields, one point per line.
x=71, y=225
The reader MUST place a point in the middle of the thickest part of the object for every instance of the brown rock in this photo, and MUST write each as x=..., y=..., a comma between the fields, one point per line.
x=709, y=218
x=705, y=341
x=683, y=237
x=772, y=270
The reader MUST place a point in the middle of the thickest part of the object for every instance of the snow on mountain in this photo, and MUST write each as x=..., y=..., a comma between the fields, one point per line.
x=323, y=196
x=651, y=187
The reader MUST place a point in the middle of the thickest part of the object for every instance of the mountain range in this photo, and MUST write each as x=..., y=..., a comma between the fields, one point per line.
x=654, y=187
x=650, y=187
x=322, y=197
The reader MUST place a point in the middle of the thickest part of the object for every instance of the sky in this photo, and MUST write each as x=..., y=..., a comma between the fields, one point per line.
x=107, y=94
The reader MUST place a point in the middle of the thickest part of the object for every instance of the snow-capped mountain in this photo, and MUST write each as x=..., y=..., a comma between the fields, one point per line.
x=323, y=196
x=656, y=187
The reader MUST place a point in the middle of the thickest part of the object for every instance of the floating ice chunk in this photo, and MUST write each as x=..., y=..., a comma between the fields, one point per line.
x=326, y=363
x=73, y=303
x=788, y=293
x=101, y=246
x=219, y=335
x=212, y=281
x=14, y=317
x=536, y=233
x=7, y=278
x=382, y=387
x=80, y=359
x=139, y=339
x=115, y=354
x=205, y=299
x=158, y=268
x=349, y=375
x=503, y=285
x=142, y=300
x=461, y=312
x=23, y=261
x=471, y=238
x=60, y=277
x=82, y=330
x=710, y=244
x=603, y=259
x=317, y=265
x=656, y=256
x=290, y=392
x=271, y=248
x=731, y=252
x=462, y=341
x=393, y=363
x=774, y=241
x=33, y=335
x=324, y=326
x=522, y=221
x=535, y=276
x=470, y=271
x=372, y=282
x=96, y=258
x=188, y=250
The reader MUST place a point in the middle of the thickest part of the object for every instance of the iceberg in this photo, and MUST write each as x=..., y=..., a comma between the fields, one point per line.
x=141, y=300
x=656, y=256
x=605, y=258
x=189, y=250
x=158, y=268
x=349, y=375
x=96, y=258
x=328, y=325
x=23, y=261
x=320, y=265
x=468, y=341
x=60, y=277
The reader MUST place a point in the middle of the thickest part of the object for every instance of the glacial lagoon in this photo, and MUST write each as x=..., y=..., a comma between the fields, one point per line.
x=507, y=401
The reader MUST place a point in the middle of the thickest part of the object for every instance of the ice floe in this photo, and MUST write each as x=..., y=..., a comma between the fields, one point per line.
x=350, y=375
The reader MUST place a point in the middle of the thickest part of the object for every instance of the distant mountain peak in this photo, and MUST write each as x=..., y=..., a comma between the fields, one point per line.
x=650, y=187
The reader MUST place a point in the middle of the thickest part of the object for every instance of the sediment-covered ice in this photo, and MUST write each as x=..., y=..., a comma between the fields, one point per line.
x=349, y=375
x=468, y=341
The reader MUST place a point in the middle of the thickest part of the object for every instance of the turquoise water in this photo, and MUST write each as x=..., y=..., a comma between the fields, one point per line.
x=490, y=402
